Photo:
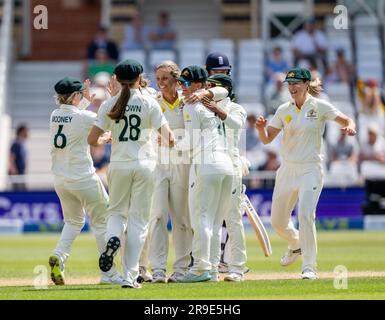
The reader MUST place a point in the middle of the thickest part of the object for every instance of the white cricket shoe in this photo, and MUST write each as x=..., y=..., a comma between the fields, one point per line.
x=131, y=285
x=309, y=275
x=144, y=275
x=290, y=257
x=112, y=279
x=159, y=277
x=214, y=276
x=235, y=277
x=174, y=277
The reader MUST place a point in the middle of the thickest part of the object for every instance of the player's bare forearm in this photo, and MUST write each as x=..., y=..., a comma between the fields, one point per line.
x=347, y=124
x=95, y=137
x=266, y=135
x=263, y=136
x=211, y=105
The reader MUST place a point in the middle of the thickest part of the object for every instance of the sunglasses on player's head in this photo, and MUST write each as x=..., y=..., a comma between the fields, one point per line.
x=185, y=83
x=214, y=84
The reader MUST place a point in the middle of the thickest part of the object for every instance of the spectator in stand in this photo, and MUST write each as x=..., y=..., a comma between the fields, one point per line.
x=371, y=103
x=374, y=148
x=164, y=36
x=344, y=149
x=101, y=159
x=371, y=107
x=18, y=157
x=272, y=163
x=276, y=64
x=101, y=64
x=277, y=94
x=254, y=152
x=252, y=140
x=341, y=70
x=310, y=44
x=100, y=41
x=135, y=35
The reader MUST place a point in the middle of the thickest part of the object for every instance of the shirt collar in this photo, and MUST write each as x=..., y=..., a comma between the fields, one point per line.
x=69, y=107
x=309, y=98
x=172, y=106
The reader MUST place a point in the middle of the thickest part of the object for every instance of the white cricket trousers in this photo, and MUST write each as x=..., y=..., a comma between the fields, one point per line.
x=209, y=196
x=86, y=194
x=131, y=186
x=234, y=226
x=300, y=182
x=171, y=196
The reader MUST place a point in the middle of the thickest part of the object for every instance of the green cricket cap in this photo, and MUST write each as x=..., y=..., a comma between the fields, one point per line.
x=69, y=85
x=297, y=75
x=221, y=79
x=128, y=70
x=194, y=73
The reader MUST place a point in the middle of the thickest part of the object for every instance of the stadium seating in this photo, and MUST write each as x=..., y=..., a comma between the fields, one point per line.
x=251, y=58
x=157, y=56
x=372, y=170
x=222, y=45
x=368, y=47
x=191, y=52
x=139, y=55
x=286, y=47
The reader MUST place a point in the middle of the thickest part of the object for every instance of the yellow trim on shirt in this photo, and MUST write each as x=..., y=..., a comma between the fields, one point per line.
x=298, y=110
x=171, y=106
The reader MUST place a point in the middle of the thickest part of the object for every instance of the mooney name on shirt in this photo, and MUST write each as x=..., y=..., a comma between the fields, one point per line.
x=61, y=119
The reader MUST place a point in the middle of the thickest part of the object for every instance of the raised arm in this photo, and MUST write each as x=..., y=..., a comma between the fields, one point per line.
x=347, y=124
x=98, y=137
x=266, y=135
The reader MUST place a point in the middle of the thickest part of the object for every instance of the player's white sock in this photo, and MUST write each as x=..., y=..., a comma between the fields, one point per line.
x=67, y=237
x=115, y=226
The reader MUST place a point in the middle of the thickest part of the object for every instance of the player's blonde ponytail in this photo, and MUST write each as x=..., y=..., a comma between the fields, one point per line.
x=64, y=98
x=315, y=87
x=143, y=81
x=118, y=110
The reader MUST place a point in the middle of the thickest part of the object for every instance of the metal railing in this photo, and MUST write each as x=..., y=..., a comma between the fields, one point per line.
x=5, y=62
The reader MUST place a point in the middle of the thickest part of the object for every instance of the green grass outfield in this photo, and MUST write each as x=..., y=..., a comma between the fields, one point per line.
x=362, y=253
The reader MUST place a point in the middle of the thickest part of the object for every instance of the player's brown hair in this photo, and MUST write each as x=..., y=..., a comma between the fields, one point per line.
x=315, y=87
x=118, y=110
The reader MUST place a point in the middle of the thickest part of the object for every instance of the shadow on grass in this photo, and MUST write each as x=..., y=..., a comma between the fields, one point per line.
x=71, y=289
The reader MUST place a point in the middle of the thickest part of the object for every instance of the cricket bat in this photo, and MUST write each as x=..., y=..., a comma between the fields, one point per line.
x=258, y=226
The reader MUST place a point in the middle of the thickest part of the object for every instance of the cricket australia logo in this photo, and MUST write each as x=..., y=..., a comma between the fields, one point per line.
x=311, y=114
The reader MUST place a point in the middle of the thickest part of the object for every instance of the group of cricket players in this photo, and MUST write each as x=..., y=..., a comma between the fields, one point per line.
x=175, y=152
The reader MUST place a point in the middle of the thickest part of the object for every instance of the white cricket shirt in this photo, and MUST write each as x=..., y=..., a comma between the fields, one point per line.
x=131, y=135
x=205, y=137
x=303, y=128
x=234, y=122
x=70, y=152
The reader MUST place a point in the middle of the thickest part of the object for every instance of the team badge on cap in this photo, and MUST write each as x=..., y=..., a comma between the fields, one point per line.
x=186, y=73
x=291, y=75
